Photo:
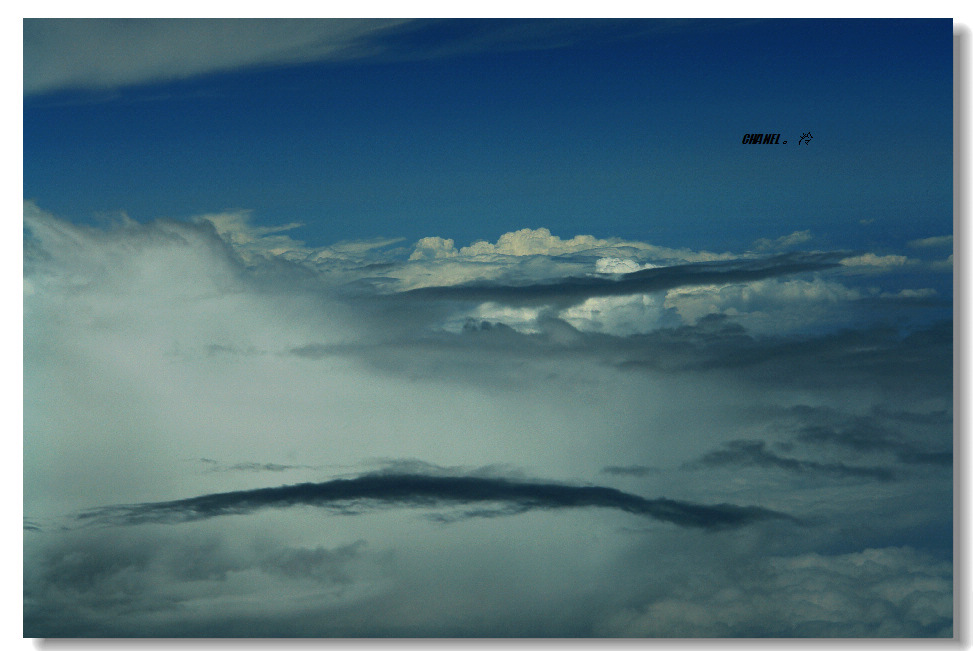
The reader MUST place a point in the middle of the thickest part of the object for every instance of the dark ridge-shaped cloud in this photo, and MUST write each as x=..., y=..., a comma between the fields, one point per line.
x=755, y=453
x=391, y=490
x=573, y=290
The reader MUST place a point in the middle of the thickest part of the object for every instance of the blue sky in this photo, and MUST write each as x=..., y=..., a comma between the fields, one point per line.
x=488, y=328
x=471, y=129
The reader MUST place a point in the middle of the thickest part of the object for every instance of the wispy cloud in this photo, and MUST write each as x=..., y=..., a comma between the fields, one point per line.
x=105, y=54
x=389, y=490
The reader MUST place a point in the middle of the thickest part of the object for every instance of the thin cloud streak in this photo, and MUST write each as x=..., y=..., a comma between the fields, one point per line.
x=391, y=490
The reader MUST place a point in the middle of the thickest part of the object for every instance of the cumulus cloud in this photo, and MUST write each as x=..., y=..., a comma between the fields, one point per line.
x=434, y=247
x=540, y=241
x=620, y=266
x=534, y=242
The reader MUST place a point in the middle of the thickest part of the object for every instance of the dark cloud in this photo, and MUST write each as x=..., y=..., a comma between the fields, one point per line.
x=346, y=495
x=569, y=291
x=755, y=453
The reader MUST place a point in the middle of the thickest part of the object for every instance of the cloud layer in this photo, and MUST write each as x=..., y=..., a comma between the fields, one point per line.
x=291, y=384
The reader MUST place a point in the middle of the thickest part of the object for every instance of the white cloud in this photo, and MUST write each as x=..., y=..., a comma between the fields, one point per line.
x=539, y=241
x=434, y=247
x=620, y=266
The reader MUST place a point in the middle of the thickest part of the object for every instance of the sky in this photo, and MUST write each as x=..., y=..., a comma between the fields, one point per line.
x=488, y=328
